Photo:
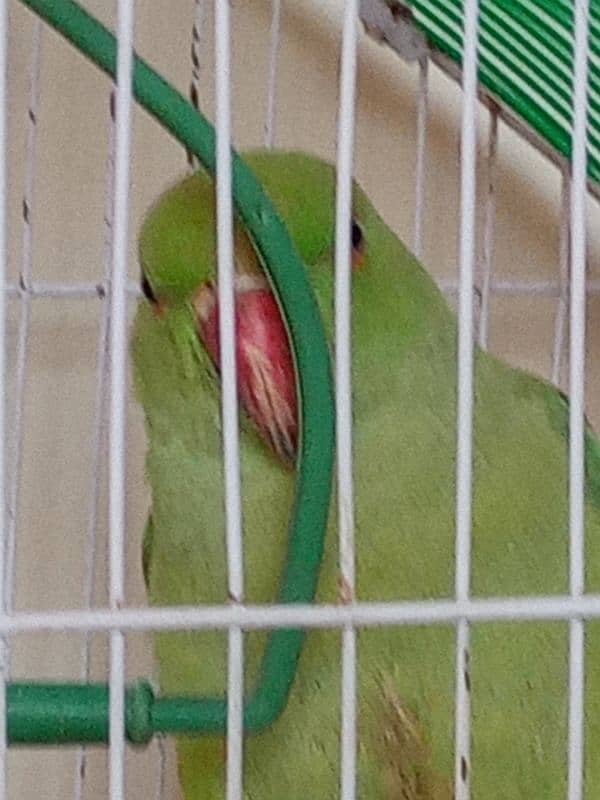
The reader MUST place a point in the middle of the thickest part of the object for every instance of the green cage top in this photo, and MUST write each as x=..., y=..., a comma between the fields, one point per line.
x=525, y=60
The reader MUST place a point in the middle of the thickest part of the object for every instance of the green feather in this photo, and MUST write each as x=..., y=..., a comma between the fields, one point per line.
x=558, y=404
x=404, y=402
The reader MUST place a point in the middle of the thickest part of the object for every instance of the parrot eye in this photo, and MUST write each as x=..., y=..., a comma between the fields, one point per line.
x=358, y=243
x=357, y=235
x=147, y=290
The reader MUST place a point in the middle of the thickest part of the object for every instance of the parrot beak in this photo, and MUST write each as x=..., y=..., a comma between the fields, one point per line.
x=266, y=374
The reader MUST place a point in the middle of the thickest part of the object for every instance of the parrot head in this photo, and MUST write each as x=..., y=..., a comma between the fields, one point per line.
x=177, y=249
x=178, y=258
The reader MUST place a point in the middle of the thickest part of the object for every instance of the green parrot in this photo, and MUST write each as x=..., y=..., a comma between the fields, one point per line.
x=404, y=407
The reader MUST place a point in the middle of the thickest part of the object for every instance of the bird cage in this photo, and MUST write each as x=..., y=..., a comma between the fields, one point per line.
x=465, y=123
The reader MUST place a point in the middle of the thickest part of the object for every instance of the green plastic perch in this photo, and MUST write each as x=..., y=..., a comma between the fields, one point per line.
x=67, y=713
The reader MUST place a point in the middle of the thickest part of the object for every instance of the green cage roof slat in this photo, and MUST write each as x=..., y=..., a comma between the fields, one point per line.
x=554, y=54
x=526, y=61
x=492, y=54
x=498, y=42
x=487, y=64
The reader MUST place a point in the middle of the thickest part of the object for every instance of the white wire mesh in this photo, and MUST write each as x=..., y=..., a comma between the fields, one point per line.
x=24, y=322
x=488, y=242
x=553, y=608
x=558, y=350
x=343, y=389
x=118, y=376
x=461, y=611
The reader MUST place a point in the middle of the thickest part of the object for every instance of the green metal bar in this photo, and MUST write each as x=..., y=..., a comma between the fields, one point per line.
x=59, y=713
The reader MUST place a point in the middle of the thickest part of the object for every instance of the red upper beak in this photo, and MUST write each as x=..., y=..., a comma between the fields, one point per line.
x=265, y=366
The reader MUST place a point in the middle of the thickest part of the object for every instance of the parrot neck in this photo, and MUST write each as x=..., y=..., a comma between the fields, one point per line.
x=175, y=383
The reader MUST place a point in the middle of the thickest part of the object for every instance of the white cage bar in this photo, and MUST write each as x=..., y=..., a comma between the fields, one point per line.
x=464, y=449
x=118, y=384
x=553, y=608
x=25, y=318
x=274, y=44
x=577, y=400
x=343, y=388
x=231, y=463
x=100, y=403
x=488, y=236
x=3, y=393
x=558, y=351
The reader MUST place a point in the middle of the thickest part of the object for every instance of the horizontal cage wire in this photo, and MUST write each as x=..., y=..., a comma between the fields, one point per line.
x=497, y=214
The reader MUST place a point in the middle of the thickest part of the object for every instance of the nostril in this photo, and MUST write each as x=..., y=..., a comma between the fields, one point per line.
x=147, y=290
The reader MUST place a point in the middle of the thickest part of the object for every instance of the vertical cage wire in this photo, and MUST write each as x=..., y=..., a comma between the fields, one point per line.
x=161, y=769
x=274, y=45
x=577, y=400
x=231, y=452
x=421, y=168
x=489, y=230
x=196, y=56
x=100, y=403
x=3, y=263
x=118, y=374
x=464, y=468
x=562, y=305
x=343, y=386
x=25, y=278
x=118, y=287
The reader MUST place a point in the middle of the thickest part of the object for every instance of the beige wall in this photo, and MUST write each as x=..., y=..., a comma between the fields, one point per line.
x=70, y=189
